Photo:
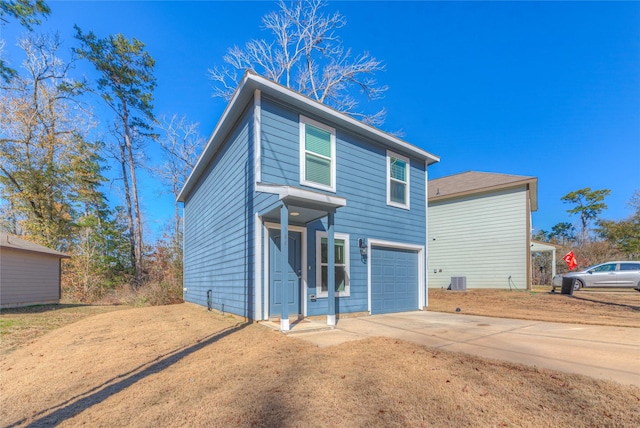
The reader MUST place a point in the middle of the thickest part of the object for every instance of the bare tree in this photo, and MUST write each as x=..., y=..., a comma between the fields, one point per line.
x=44, y=145
x=306, y=54
x=181, y=144
x=28, y=13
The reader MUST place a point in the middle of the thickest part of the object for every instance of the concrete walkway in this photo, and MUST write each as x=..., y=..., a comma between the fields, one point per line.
x=598, y=351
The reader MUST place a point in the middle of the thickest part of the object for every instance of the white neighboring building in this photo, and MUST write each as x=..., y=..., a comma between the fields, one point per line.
x=480, y=228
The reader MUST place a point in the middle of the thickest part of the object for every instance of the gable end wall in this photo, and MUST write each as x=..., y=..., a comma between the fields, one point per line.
x=218, y=218
x=482, y=237
x=28, y=278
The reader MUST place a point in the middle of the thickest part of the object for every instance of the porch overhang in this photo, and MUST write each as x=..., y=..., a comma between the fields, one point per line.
x=305, y=206
x=300, y=206
x=546, y=246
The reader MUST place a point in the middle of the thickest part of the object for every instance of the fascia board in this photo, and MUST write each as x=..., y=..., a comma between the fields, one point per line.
x=343, y=120
x=531, y=182
x=224, y=125
x=244, y=92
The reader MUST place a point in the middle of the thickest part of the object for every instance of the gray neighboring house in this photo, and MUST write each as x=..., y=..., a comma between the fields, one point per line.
x=480, y=228
x=29, y=273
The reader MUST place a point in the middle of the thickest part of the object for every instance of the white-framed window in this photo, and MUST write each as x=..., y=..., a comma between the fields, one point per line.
x=398, y=190
x=341, y=244
x=317, y=155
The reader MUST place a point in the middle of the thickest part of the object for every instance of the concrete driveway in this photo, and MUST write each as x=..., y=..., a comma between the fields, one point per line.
x=597, y=351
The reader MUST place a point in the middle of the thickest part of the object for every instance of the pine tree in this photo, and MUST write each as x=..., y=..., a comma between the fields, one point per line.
x=126, y=84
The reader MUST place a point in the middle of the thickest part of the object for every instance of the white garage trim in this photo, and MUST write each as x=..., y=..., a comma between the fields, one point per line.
x=403, y=246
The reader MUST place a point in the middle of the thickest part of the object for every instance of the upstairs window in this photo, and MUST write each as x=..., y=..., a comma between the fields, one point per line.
x=317, y=155
x=397, y=180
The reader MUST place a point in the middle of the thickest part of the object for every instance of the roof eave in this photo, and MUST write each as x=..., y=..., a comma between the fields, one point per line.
x=48, y=252
x=224, y=124
x=532, y=182
x=243, y=94
x=341, y=119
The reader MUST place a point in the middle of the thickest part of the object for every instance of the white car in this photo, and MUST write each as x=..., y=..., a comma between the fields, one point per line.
x=609, y=274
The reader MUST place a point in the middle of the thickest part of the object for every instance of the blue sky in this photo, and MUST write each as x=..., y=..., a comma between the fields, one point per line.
x=546, y=89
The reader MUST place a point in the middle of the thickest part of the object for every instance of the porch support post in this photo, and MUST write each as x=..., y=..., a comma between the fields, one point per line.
x=553, y=263
x=331, y=272
x=284, y=268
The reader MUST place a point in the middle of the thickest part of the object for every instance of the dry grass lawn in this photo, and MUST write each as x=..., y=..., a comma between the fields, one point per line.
x=182, y=366
x=614, y=307
x=21, y=326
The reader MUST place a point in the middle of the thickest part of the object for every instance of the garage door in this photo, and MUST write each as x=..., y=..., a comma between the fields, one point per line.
x=394, y=280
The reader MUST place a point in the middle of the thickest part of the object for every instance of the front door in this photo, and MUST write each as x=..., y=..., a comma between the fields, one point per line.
x=291, y=278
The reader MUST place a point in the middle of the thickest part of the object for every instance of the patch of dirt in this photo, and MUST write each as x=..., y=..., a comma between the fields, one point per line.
x=619, y=307
x=180, y=365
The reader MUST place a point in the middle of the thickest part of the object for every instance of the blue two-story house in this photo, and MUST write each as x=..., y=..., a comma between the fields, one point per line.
x=345, y=202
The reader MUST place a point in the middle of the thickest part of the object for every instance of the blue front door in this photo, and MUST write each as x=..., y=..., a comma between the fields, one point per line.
x=291, y=277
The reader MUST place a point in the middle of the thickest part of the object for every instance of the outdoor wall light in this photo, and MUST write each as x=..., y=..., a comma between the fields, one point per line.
x=295, y=214
x=362, y=244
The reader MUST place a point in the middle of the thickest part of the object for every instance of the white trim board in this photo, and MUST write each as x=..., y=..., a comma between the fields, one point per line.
x=257, y=267
x=426, y=232
x=257, y=143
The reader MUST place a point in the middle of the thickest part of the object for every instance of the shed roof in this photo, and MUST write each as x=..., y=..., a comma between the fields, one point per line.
x=543, y=246
x=12, y=241
x=473, y=182
x=244, y=94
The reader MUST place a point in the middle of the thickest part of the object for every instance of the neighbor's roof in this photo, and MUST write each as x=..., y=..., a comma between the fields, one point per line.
x=244, y=94
x=12, y=241
x=472, y=182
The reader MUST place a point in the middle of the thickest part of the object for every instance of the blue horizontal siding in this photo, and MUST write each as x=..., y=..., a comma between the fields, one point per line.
x=219, y=222
x=361, y=179
x=218, y=233
x=279, y=141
